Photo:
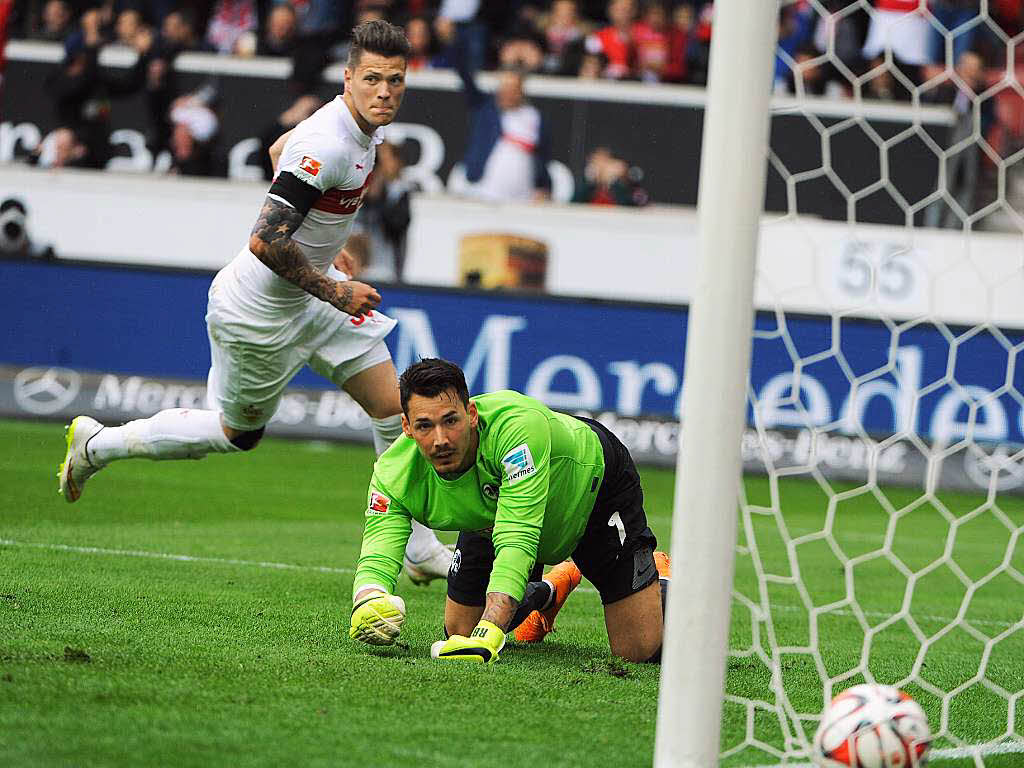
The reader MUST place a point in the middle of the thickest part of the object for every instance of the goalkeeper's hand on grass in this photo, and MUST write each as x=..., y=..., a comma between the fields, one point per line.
x=377, y=618
x=482, y=645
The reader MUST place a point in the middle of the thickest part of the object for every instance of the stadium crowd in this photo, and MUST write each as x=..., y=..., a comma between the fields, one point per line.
x=656, y=41
x=641, y=40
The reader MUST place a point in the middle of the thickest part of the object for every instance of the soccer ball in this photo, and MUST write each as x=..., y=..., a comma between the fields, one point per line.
x=872, y=726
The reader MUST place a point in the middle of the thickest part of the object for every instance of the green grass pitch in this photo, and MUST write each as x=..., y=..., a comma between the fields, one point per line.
x=152, y=624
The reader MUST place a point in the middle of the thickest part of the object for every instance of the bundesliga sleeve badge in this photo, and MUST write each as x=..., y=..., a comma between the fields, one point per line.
x=309, y=165
x=379, y=504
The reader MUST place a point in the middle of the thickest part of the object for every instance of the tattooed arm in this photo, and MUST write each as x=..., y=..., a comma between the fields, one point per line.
x=500, y=609
x=271, y=242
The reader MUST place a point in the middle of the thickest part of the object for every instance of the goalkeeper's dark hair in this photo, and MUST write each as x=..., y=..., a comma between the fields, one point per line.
x=431, y=377
x=380, y=37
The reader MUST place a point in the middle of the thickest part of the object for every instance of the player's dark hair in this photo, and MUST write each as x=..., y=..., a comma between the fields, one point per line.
x=430, y=377
x=380, y=37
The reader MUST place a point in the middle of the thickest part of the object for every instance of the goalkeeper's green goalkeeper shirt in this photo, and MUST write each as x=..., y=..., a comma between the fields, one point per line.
x=531, y=490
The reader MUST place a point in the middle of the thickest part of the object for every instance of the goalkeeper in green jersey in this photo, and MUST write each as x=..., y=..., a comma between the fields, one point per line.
x=524, y=486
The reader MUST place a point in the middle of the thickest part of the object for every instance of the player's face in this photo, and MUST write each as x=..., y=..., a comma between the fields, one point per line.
x=444, y=429
x=374, y=89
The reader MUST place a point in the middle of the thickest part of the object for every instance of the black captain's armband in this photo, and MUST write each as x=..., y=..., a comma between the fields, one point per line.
x=298, y=193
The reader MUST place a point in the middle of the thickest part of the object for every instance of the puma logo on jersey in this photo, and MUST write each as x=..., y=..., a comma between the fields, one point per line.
x=518, y=464
x=359, y=167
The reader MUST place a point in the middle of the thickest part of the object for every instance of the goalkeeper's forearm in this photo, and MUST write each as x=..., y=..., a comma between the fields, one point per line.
x=499, y=609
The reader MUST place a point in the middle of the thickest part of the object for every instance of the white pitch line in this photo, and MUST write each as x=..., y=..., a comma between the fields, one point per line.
x=170, y=556
x=329, y=569
x=192, y=558
x=936, y=755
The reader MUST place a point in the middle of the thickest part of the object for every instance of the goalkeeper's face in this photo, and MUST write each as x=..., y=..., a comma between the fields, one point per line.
x=444, y=428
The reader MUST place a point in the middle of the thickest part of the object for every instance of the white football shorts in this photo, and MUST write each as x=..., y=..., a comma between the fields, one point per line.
x=252, y=359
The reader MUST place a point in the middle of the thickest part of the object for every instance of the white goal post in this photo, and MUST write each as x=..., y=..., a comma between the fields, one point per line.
x=867, y=369
x=732, y=179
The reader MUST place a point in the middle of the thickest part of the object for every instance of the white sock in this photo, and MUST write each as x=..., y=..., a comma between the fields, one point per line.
x=385, y=432
x=178, y=433
x=423, y=544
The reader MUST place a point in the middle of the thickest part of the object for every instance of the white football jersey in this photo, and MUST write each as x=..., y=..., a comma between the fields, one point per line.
x=328, y=151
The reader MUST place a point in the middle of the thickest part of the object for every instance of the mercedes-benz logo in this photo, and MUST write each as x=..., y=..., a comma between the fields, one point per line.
x=1006, y=466
x=46, y=391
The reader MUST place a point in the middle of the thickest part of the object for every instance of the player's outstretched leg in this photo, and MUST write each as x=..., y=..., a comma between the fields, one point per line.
x=77, y=467
x=178, y=433
x=426, y=558
x=562, y=579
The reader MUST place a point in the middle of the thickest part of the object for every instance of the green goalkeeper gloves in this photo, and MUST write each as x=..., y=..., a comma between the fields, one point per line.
x=377, y=618
x=482, y=645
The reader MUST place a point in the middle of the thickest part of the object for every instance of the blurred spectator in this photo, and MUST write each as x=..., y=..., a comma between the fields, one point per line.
x=457, y=25
x=897, y=25
x=300, y=109
x=231, y=24
x=177, y=34
x=507, y=152
x=178, y=31
x=795, y=29
x=60, y=148
x=522, y=50
x=565, y=33
x=961, y=168
x=385, y=216
x=6, y=7
x=421, y=40
x=592, y=66
x=55, y=21
x=15, y=242
x=280, y=36
x=616, y=40
x=608, y=180
x=194, y=127
x=844, y=35
x=319, y=19
x=952, y=14
x=82, y=91
x=129, y=24
x=687, y=56
x=651, y=42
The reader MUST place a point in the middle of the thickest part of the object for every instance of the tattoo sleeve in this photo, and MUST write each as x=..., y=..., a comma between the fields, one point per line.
x=500, y=609
x=271, y=242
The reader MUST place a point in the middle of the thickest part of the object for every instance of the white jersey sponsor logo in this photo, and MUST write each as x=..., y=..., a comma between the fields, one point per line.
x=518, y=464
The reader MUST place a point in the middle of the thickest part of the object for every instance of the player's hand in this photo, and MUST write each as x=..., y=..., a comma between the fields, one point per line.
x=482, y=645
x=377, y=618
x=355, y=298
x=344, y=262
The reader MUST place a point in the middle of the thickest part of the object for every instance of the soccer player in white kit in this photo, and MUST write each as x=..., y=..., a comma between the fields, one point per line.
x=281, y=304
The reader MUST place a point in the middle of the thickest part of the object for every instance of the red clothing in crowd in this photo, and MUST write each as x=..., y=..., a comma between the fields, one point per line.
x=5, y=14
x=618, y=50
x=652, y=48
x=901, y=6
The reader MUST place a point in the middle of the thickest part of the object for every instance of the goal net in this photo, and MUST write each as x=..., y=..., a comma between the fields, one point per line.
x=880, y=539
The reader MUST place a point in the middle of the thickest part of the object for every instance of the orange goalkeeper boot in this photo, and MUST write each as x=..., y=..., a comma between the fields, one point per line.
x=565, y=577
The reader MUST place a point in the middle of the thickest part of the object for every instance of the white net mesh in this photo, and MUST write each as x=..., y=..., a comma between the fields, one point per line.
x=883, y=543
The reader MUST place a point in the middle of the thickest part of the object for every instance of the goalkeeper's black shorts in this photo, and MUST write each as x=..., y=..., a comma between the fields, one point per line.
x=615, y=553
